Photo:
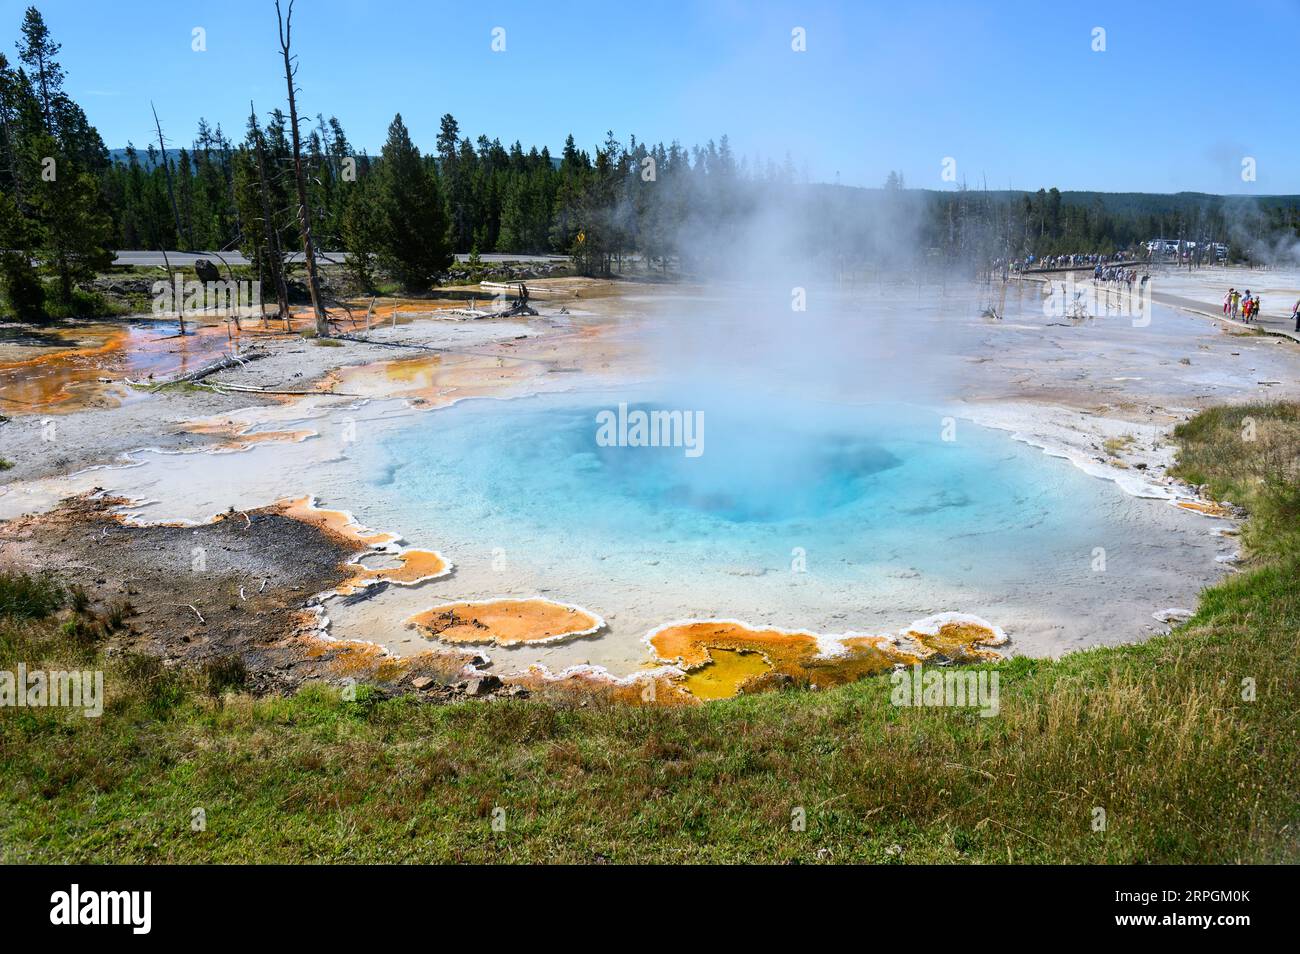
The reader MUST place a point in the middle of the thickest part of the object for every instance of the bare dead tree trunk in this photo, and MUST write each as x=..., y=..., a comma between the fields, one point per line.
x=304, y=210
x=272, y=233
x=230, y=184
x=167, y=173
x=180, y=305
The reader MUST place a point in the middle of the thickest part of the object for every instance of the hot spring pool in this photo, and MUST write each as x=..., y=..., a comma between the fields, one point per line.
x=824, y=517
x=850, y=490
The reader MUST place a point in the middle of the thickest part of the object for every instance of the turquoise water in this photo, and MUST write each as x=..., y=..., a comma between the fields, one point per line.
x=846, y=488
x=829, y=517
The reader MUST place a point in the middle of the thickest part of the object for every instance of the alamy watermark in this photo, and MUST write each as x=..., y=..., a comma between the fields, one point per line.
x=75, y=906
x=652, y=428
x=954, y=688
x=1120, y=299
x=38, y=688
x=237, y=299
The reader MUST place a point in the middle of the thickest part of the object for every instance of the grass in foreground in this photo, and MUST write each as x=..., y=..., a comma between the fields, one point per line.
x=1190, y=743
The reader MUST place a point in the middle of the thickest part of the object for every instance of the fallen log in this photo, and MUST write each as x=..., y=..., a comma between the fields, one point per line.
x=212, y=367
x=422, y=347
x=241, y=389
x=517, y=309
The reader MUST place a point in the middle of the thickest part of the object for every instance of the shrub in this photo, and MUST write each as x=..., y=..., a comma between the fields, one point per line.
x=29, y=597
x=84, y=304
x=158, y=688
x=80, y=598
x=80, y=631
x=22, y=286
x=224, y=673
x=23, y=290
x=117, y=613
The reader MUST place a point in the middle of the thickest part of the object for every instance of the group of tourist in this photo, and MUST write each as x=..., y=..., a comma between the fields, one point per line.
x=1066, y=261
x=1113, y=273
x=1239, y=305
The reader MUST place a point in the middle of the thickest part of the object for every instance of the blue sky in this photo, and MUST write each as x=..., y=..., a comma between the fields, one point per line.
x=1012, y=91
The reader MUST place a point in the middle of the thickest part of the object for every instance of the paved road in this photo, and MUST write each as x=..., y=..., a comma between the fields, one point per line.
x=148, y=258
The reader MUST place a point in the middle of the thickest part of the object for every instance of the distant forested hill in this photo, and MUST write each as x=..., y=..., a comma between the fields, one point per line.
x=402, y=212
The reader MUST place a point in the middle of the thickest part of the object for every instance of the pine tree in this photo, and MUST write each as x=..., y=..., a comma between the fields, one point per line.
x=511, y=236
x=362, y=226
x=74, y=230
x=413, y=225
x=38, y=52
x=448, y=139
x=567, y=226
x=14, y=90
x=185, y=198
x=254, y=198
x=19, y=281
x=461, y=180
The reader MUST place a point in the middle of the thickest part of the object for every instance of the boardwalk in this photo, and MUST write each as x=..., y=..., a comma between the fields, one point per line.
x=1275, y=321
x=1280, y=325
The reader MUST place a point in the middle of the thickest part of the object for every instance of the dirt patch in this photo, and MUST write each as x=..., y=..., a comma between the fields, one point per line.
x=242, y=586
x=236, y=586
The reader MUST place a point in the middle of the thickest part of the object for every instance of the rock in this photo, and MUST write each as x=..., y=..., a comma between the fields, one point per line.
x=1172, y=615
x=482, y=685
x=422, y=682
x=206, y=271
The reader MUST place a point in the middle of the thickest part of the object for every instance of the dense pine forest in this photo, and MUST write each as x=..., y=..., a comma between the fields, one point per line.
x=66, y=201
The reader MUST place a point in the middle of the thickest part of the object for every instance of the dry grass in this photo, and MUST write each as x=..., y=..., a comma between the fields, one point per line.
x=1114, y=446
x=1249, y=454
